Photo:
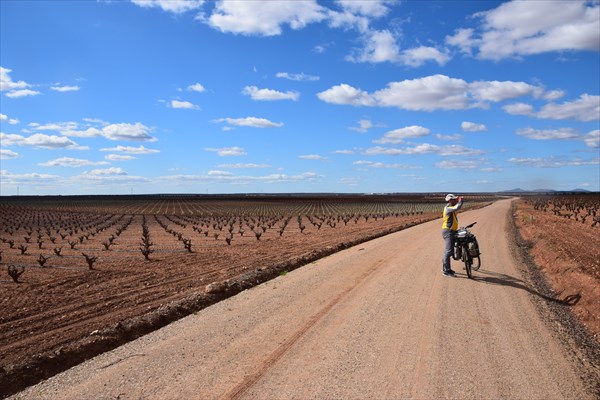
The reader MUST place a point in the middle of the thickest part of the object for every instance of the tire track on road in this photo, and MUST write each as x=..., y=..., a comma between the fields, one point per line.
x=238, y=391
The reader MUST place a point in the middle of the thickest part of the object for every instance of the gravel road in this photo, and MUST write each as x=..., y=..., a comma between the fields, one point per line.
x=376, y=321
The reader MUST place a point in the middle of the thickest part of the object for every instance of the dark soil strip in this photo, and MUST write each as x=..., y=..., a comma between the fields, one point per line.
x=577, y=341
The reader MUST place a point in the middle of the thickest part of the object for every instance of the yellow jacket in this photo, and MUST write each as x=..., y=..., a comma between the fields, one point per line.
x=450, y=221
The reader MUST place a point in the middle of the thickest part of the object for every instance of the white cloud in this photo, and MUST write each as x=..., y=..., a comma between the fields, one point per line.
x=472, y=127
x=131, y=132
x=521, y=28
x=346, y=152
x=241, y=180
x=244, y=166
x=6, y=82
x=548, y=134
x=228, y=151
x=6, y=154
x=220, y=173
x=131, y=150
x=65, y=88
x=118, y=157
x=554, y=162
x=186, y=105
x=592, y=139
x=437, y=92
x=269, y=94
x=418, y=56
x=106, y=171
x=196, y=87
x=379, y=46
x=297, y=77
x=41, y=141
x=174, y=6
x=313, y=157
x=454, y=137
x=123, y=131
x=372, y=164
x=424, y=148
x=346, y=94
x=264, y=18
x=586, y=108
x=8, y=178
x=71, y=162
x=497, y=91
x=519, y=109
x=251, y=122
x=426, y=94
x=459, y=164
x=12, y=121
x=14, y=94
x=398, y=135
x=364, y=125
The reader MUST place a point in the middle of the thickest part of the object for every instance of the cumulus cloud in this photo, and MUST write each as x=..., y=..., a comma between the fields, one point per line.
x=440, y=92
x=424, y=148
x=312, y=157
x=372, y=164
x=118, y=157
x=269, y=94
x=34, y=178
x=131, y=150
x=346, y=94
x=592, y=139
x=71, y=162
x=6, y=154
x=15, y=94
x=6, y=82
x=586, y=108
x=196, y=87
x=251, y=122
x=65, y=88
x=364, y=125
x=264, y=18
x=548, y=134
x=186, y=105
x=243, y=166
x=420, y=55
x=137, y=132
x=174, y=6
x=379, y=46
x=521, y=28
x=106, y=171
x=497, y=91
x=228, y=151
x=40, y=140
x=12, y=121
x=553, y=162
x=398, y=135
x=241, y=179
x=459, y=164
x=472, y=127
x=297, y=77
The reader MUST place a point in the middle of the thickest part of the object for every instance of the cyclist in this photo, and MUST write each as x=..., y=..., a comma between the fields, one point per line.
x=449, y=228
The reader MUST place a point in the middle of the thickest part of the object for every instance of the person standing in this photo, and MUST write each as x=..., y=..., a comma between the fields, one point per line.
x=449, y=228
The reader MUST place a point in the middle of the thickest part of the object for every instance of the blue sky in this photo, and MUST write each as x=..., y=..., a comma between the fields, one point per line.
x=157, y=96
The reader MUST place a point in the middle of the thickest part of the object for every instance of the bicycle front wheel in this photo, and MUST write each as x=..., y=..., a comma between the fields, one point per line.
x=468, y=260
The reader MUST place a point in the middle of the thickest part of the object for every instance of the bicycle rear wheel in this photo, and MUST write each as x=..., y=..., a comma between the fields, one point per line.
x=476, y=263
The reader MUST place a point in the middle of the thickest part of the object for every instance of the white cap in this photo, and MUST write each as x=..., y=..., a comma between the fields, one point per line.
x=450, y=196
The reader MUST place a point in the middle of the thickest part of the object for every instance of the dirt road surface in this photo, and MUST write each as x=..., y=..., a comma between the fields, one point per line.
x=376, y=321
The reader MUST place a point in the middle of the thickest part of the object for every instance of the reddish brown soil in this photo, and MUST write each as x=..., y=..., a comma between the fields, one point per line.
x=61, y=314
x=568, y=253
